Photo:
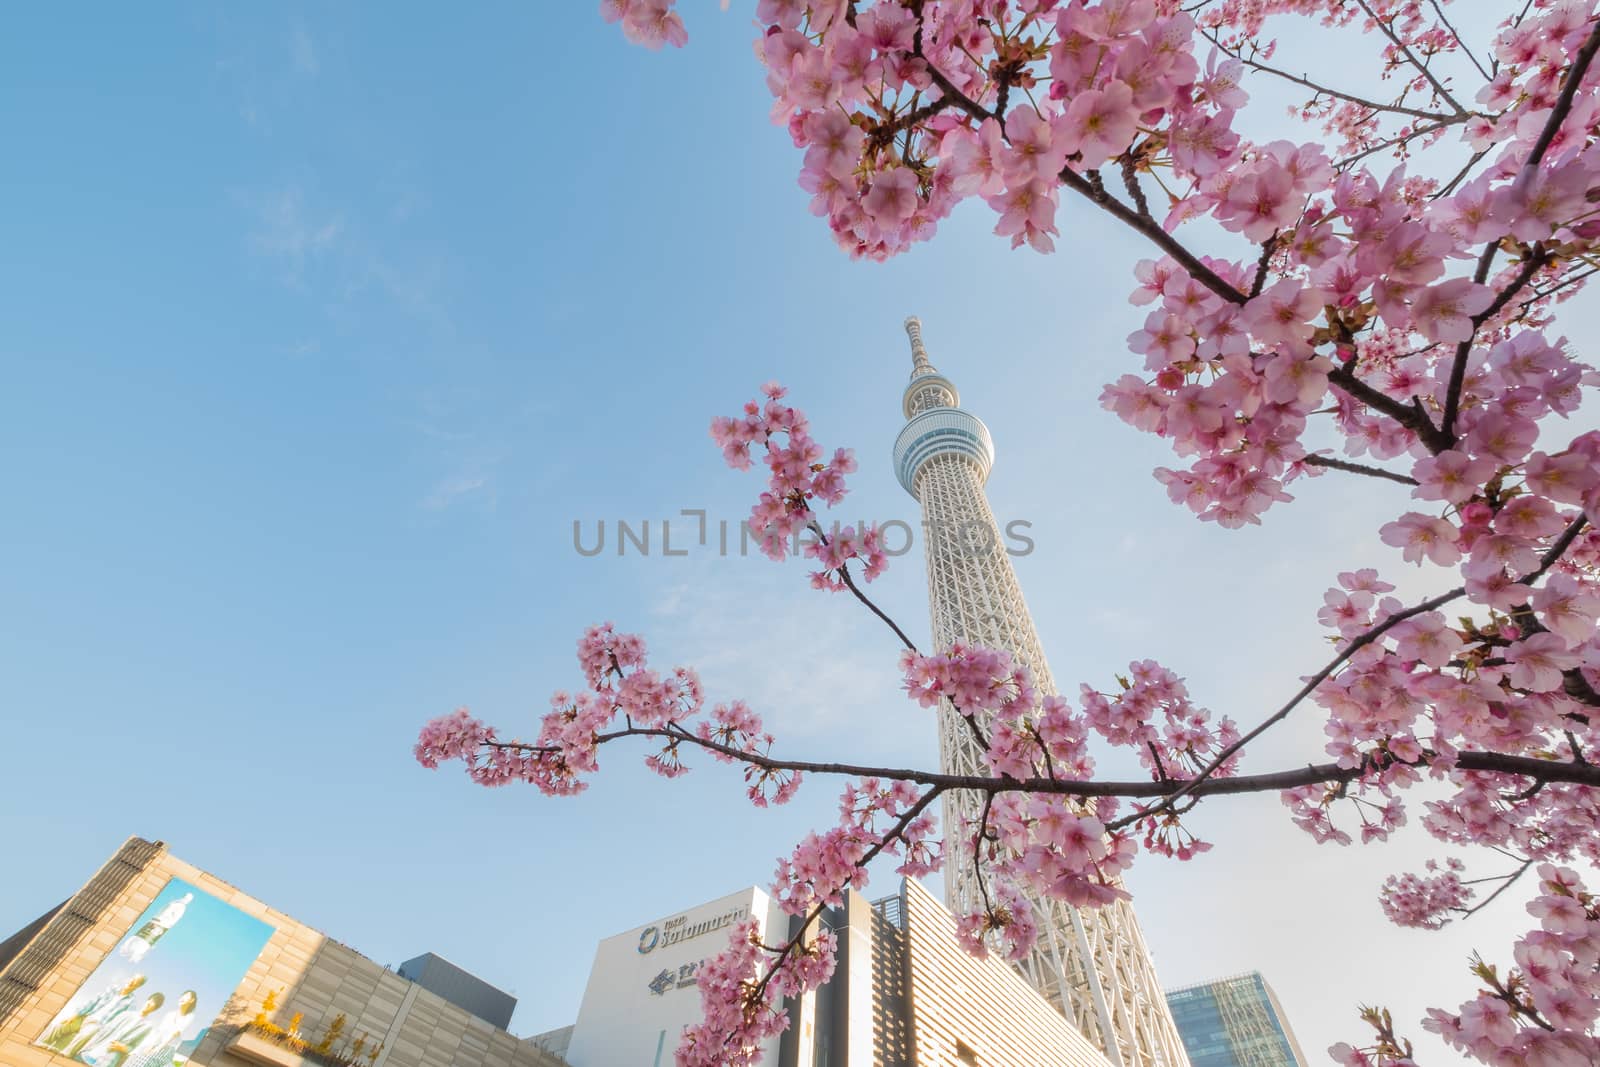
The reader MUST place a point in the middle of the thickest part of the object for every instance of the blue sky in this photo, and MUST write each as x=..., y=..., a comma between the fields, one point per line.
x=321, y=327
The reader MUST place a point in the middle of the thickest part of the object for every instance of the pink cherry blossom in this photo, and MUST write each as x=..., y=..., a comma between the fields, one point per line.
x=1372, y=296
x=1423, y=537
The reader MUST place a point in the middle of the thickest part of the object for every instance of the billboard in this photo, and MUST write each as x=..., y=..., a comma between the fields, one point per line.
x=154, y=996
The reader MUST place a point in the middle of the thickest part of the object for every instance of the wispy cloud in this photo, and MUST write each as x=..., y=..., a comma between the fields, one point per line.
x=804, y=660
x=316, y=246
x=303, y=51
x=451, y=490
x=289, y=233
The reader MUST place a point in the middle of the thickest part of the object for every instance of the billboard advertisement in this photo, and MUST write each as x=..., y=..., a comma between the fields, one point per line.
x=154, y=996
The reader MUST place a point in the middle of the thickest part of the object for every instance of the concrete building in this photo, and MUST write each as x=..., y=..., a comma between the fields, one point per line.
x=641, y=991
x=154, y=960
x=903, y=994
x=1234, y=1022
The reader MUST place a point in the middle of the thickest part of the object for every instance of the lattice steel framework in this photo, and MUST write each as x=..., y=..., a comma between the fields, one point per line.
x=1091, y=963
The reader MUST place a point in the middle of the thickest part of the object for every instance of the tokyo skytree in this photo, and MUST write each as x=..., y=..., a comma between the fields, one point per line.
x=1091, y=963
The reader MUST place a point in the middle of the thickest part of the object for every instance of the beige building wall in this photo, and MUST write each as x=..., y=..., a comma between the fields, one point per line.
x=967, y=1012
x=312, y=975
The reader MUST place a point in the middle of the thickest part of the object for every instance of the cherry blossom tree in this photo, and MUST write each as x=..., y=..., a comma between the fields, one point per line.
x=1390, y=282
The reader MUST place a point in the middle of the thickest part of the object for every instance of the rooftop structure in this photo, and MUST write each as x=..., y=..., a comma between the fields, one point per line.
x=464, y=990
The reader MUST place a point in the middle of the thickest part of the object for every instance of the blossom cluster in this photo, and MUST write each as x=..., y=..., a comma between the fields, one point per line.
x=1543, y=1011
x=742, y=1010
x=1516, y=677
x=1183, y=744
x=1052, y=844
x=797, y=477
x=624, y=698
x=1425, y=900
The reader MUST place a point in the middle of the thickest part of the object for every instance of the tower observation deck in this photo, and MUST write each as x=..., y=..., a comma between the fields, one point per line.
x=1091, y=963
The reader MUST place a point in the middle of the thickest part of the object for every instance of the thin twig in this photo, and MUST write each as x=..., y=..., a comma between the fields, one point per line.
x=1445, y=22
x=1486, y=901
x=1325, y=91
x=850, y=583
x=1333, y=463
x=1439, y=88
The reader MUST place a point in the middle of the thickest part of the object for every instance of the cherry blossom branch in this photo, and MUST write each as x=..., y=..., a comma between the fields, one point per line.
x=850, y=584
x=1152, y=230
x=1576, y=686
x=1563, y=105
x=882, y=135
x=946, y=86
x=893, y=834
x=1166, y=790
x=1571, y=279
x=1323, y=90
x=1507, y=881
x=1450, y=186
x=1458, y=369
x=1333, y=463
x=1411, y=416
x=980, y=835
x=1367, y=637
x=1439, y=87
x=1269, y=246
x=1130, y=181
x=1557, y=549
x=1538, y=258
x=1400, y=138
x=1444, y=21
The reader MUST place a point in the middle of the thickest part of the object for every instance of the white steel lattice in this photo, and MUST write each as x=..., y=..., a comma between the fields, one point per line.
x=1091, y=963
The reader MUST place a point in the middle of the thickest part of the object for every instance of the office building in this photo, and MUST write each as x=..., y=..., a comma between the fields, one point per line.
x=1234, y=1022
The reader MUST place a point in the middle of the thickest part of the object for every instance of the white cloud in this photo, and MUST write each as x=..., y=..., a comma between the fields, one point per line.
x=451, y=490
x=813, y=664
x=303, y=51
x=288, y=233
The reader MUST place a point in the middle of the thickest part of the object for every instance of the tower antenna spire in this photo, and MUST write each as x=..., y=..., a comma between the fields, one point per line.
x=919, y=354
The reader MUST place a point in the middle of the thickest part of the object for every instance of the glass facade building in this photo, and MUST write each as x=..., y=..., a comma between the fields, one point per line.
x=1234, y=1022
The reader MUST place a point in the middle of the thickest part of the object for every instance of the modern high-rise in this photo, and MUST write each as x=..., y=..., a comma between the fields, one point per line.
x=1234, y=1022
x=1091, y=963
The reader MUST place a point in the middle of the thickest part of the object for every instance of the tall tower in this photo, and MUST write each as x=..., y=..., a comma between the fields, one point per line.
x=1091, y=963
